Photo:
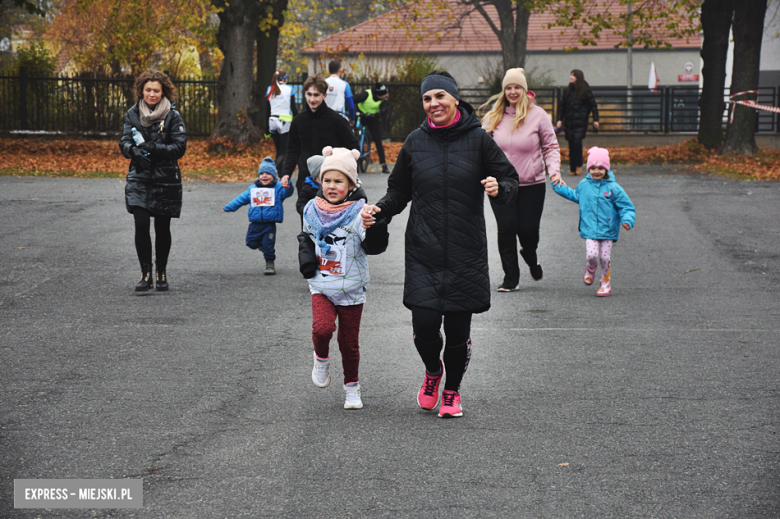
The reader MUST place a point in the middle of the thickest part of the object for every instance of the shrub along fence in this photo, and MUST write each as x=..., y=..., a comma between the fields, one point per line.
x=87, y=105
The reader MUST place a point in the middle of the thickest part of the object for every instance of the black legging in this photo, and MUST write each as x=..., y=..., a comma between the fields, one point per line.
x=519, y=219
x=280, y=142
x=374, y=126
x=426, y=324
x=143, y=240
x=575, y=154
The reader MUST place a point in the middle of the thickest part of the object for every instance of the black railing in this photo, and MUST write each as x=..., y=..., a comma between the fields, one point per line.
x=97, y=105
x=89, y=105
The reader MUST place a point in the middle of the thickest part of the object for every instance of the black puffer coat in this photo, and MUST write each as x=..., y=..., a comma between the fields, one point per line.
x=575, y=112
x=440, y=172
x=157, y=189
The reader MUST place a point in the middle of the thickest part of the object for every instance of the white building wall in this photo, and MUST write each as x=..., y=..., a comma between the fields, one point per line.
x=601, y=68
x=770, y=46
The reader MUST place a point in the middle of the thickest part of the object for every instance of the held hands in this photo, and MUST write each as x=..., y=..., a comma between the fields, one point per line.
x=559, y=124
x=285, y=181
x=557, y=180
x=491, y=186
x=596, y=124
x=367, y=214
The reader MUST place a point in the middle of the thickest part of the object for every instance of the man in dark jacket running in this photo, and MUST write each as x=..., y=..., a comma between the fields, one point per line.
x=311, y=130
x=444, y=169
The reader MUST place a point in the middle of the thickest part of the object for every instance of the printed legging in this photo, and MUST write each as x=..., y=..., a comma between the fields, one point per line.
x=324, y=314
x=599, y=250
x=427, y=324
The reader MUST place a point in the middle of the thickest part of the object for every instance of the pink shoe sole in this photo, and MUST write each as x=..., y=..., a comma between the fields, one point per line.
x=589, y=276
x=604, y=293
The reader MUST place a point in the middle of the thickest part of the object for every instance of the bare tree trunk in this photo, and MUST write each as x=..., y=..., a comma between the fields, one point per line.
x=748, y=32
x=238, y=21
x=716, y=21
x=512, y=29
x=267, y=49
x=521, y=35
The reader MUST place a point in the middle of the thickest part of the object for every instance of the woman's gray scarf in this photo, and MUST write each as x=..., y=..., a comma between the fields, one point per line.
x=149, y=116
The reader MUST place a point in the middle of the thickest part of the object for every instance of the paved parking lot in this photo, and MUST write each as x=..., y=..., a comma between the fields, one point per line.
x=660, y=401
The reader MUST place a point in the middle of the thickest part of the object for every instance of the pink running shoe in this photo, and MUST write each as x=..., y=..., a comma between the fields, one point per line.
x=428, y=396
x=450, y=405
x=605, y=289
x=589, y=274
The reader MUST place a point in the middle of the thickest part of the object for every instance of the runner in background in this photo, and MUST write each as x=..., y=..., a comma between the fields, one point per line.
x=280, y=105
x=339, y=98
x=372, y=103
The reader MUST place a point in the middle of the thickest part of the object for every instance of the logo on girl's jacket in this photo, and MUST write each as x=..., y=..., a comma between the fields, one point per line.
x=331, y=263
x=608, y=193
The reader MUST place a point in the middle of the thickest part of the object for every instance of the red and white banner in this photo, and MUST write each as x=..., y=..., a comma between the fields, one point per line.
x=652, y=81
x=750, y=104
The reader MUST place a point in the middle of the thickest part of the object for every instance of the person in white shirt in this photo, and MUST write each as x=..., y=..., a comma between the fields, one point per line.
x=281, y=108
x=339, y=98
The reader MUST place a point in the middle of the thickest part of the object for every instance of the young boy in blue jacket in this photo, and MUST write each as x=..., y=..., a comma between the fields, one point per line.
x=265, y=199
x=604, y=209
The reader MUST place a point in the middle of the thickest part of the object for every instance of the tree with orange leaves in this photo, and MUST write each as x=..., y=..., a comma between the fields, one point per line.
x=125, y=37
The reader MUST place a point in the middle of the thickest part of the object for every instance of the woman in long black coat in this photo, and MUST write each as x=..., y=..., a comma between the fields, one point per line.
x=577, y=103
x=444, y=169
x=154, y=139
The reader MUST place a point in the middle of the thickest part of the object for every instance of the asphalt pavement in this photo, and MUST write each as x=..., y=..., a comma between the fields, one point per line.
x=660, y=401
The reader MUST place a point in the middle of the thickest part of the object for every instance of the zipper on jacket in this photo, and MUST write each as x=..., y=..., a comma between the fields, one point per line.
x=446, y=256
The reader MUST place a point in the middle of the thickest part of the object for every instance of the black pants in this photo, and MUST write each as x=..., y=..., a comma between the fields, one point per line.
x=280, y=142
x=519, y=219
x=575, y=154
x=143, y=240
x=427, y=339
x=374, y=126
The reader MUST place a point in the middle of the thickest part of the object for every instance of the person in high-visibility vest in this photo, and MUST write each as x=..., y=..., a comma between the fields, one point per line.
x=280, y=107
x=372, y=104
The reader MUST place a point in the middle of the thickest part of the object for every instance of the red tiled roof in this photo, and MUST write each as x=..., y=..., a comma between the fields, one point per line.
x=387, y=34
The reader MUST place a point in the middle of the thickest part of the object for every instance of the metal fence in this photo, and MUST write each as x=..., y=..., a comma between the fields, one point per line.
x=74, y=105
x=83, y=105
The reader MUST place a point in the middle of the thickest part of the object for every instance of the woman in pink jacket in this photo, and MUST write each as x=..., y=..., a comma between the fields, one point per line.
x=525, y=133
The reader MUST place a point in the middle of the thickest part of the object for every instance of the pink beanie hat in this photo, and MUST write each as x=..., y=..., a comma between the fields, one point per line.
x=341, y=160
x=598, y=157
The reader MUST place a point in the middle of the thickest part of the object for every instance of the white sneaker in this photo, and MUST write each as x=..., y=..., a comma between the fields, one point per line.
x=320, y=373
x=353, y=400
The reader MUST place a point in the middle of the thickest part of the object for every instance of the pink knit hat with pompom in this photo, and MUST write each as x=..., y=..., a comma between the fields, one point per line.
x=341, y=160
x=598, y=157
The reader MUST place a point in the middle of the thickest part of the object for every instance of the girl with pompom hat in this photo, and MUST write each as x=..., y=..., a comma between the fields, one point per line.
x=332, y=254
x=604, y=209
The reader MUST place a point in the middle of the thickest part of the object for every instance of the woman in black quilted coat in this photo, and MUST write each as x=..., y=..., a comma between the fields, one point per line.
x=444, y=169
x=577, y=103
x=153, y=188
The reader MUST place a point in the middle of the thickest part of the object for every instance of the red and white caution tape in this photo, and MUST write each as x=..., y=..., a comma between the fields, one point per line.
x=751, y=104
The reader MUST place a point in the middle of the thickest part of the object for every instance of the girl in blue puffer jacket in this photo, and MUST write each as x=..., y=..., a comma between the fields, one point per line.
x=265, y=199
x=604, y=207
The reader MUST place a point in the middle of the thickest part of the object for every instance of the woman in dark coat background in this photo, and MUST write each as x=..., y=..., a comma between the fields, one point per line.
x=577, y=103
x=153, y=188
x=444, y=169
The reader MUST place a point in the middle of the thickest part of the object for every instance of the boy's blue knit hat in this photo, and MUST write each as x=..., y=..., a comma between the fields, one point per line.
x=267, y=166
